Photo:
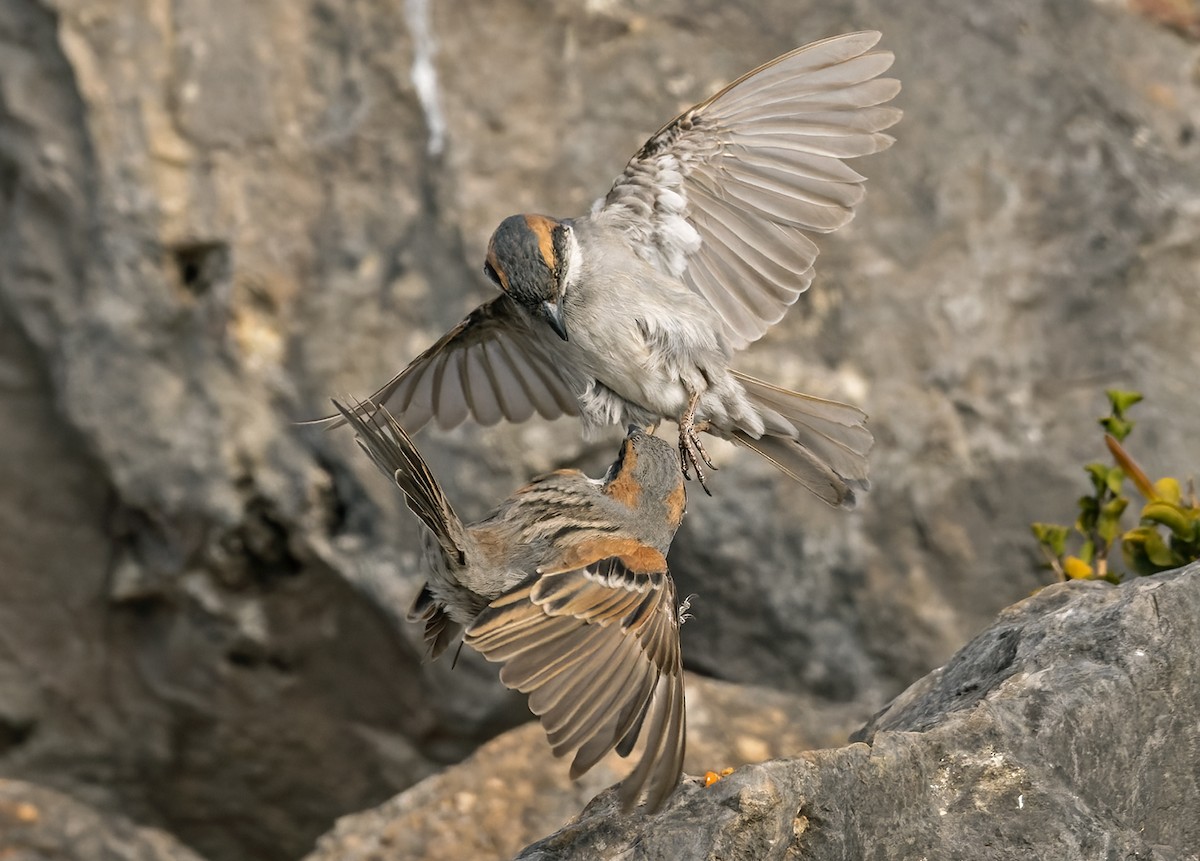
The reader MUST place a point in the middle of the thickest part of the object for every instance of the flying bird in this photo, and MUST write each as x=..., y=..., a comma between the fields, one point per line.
x=631, y=313
x=566, y=584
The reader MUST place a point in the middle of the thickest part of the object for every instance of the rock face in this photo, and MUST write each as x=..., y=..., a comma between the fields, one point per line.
x=1067, y=730
x=512, y=790
x=37, y=823
x=214, y=215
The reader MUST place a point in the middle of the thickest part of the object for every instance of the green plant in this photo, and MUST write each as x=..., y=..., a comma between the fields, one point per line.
x=1168, y=530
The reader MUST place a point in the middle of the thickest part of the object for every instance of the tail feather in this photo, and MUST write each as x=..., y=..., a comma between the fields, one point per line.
x=393, y=451
x=801, y=465
x=820, y=443
x=440, y=629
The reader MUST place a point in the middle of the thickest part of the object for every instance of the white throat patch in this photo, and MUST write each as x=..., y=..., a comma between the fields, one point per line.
x=573, y=263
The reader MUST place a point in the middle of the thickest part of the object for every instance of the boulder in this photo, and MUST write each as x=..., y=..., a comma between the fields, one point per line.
x=1067, y=731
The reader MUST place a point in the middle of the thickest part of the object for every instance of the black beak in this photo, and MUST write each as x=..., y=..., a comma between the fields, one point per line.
x=554, y=316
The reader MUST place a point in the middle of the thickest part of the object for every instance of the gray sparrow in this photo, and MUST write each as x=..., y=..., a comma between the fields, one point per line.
x=631, y=313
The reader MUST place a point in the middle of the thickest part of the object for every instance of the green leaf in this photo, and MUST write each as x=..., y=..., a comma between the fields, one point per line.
x=1108, y=524
x=1122, y=400
x=1159, y=553
x=1117, y=426
x=1087, y=552
x=1051, y=536
x=1171, y=515
x=1099, y=475
x=1089, y=510
x=1133, y=548
x=1115, y=480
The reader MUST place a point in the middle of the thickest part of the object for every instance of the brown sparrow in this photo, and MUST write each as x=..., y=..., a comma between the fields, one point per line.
x=566, y=585
x=631, y=313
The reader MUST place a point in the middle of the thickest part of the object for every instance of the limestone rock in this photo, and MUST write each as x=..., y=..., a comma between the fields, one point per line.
x=513, y=790
x=215, y=214
x=39, y=823
x=1065, y=731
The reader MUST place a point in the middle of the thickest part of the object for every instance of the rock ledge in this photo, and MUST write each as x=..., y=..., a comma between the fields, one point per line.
x=1067, y=730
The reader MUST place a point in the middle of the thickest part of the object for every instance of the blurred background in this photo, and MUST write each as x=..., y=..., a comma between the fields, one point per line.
x=214, y=215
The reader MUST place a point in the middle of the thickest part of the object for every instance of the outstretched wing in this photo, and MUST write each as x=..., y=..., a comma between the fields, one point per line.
x=597, y=650
x=485, y=367
x=723, y=195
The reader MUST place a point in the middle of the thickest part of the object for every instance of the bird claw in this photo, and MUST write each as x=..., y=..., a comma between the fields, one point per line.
x=692, y=454
x=691, y=449
x=684, y=606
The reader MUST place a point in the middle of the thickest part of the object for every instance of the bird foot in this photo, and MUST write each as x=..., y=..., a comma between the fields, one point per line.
x=684, y=606
x=691, y=449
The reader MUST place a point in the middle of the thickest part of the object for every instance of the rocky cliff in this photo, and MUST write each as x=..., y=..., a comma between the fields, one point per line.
x=1066, y=730
x=214, y=215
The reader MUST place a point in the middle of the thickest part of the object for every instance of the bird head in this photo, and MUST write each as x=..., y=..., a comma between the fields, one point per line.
x=532, y=258
x=646, y=477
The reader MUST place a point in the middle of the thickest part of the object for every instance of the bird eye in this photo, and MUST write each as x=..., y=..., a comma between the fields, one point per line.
x=490, y=272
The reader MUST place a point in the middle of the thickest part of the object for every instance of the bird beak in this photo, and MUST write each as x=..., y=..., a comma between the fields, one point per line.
x=554, y=316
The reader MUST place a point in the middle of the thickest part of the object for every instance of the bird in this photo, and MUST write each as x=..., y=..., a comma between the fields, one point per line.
x=565, y=583
x=631, y=313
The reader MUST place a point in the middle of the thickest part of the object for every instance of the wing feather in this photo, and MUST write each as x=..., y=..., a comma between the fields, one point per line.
x=481, y=388
x=722, y=196
x=867, y=94
x=597, y=649
x=506, y=383
x=486, y=367
x=612, y=689
x=450, y=408
x=555, y=699
x=629, y=695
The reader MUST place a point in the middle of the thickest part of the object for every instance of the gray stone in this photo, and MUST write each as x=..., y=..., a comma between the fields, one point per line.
x=1065, y=731
x=512, y=790
x=37, y=823
x=215, y=215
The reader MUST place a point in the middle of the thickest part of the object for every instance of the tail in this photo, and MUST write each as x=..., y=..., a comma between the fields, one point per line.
x=393, y=451
x=821, y=444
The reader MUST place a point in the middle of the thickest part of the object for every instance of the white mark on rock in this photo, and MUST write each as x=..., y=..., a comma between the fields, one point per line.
x=1141, y=653
x=1020, y=802
x=424, y=72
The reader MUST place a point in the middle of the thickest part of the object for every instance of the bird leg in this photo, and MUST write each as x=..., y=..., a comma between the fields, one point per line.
x=691, y=450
